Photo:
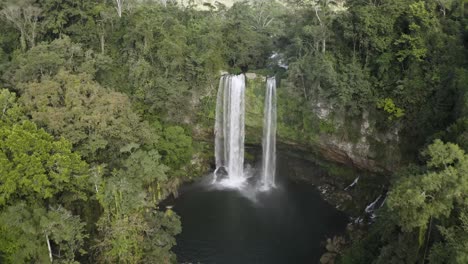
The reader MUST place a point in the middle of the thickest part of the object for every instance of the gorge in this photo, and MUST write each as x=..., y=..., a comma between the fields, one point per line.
x=261, y=218
x=262, y=131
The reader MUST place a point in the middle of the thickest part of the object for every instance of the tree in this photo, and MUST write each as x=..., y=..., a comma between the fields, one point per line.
x=126, y=225
x=122, y=239
x=97, y=121
x=46, y=59
x=60, y=15
x=173, y=58
x=415, y=200
x=248, y=45
x=119, y=6
x=10, y=111
x=160, y=238
x=33, y=234
x=105, y=19
x=420, y=199
x=34, y=166
x=133, y=239
x=412, y=45
x=175, y=147
x=25, y=18
x=454, y=248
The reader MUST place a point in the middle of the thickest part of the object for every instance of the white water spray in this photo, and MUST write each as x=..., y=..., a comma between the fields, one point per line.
x=230, y=130
x=269, y=136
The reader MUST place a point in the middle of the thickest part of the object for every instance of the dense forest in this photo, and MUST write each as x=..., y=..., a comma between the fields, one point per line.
x=107, y=107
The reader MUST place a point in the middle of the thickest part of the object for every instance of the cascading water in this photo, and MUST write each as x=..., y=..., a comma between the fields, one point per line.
x=230, y=130
x=269, y=136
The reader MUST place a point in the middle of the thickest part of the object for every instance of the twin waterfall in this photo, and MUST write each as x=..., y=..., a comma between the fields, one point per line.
x=269, y=136
x=229, y=129
x=230, y=134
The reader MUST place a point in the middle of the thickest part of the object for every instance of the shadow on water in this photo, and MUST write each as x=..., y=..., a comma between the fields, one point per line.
x=285, y=225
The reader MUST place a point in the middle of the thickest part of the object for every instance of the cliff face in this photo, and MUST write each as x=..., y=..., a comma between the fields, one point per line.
x=331, y=133
x=313, y=127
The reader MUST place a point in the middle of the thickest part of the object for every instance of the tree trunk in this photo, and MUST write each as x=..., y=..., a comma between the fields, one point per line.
x=119, y=7
x=4, y=109
x=102, y=43
x=428, y=240
x=33, y=34
x=323, y=29
x=50, y=249
x=462, y=8
x=304, y=88
x=23, y=41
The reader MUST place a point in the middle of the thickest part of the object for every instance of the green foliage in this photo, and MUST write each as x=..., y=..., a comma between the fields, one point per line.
x=144, y=166
x=33, y=166
x=389, y=106
x=46, y=59
x=27, y=230
x=62, y=16
x=11, y=112
x=160, y=239
x=442, y=155
x=248, y=46
x=35, y=171
x=24, y=16
x=416, y=199
x=175, y=55
x=455, y=248
x=326, y=127
x=162, y=63
x=122, y=239
x=254, y=107
x=175, y=147
x=125, y=198
x=98, y=122
x=412, y=45
x=419, y=199
x=366, y=250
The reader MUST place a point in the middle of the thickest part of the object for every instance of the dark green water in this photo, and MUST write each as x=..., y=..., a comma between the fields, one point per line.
x=287, y=225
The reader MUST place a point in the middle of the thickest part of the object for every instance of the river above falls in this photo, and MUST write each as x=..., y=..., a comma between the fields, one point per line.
x=285, y=225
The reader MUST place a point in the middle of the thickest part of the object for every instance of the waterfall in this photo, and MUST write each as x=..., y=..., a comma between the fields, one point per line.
x=371, y=207
x=269, y=136
x=230, y=131
x=352, y=184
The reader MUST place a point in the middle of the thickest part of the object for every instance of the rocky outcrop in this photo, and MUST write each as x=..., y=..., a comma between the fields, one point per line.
x=371, y=149
x=334, y=247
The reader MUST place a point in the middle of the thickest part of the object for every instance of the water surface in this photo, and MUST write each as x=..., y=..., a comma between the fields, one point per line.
x=287, y=225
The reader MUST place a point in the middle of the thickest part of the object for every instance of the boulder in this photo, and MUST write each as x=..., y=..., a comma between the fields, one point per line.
x=328, y=258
